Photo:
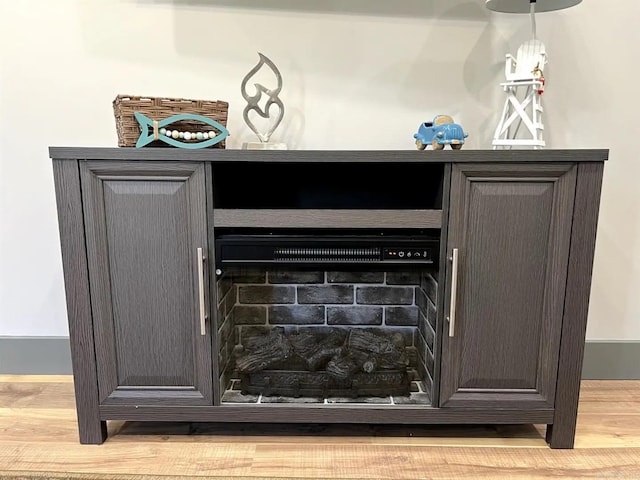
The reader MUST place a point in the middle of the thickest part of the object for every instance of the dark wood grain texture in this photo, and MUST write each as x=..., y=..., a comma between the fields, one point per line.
x=76, y=279
x=144, y=223
x=305, y=413
x=326, y=218
x=511, y=224
x=574, y=325
x=512, y=213
x=324, y=156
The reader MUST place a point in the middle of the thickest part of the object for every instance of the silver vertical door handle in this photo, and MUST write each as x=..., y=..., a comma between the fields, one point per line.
x=203, y=314
x=454, y=292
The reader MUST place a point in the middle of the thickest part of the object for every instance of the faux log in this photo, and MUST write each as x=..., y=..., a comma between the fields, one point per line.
x=370, y=342
x=319, y=384
x=342, y=368
x=304, y=344
x=352, y=361
x=388, y=352
x=321, y=358
x=317, y=349
x=272, y=349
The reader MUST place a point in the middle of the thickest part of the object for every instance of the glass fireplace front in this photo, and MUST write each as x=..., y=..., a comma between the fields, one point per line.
x=327, y=335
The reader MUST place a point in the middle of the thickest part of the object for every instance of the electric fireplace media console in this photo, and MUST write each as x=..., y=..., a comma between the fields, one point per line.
x=395, y=287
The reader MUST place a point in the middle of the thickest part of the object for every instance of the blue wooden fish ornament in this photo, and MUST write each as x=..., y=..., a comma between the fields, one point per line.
x=153, y=130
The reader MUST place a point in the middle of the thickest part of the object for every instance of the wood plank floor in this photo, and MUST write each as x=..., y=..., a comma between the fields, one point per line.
x=38, y=433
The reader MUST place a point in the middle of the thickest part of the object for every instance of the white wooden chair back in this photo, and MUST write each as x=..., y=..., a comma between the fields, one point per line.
x=530, y=54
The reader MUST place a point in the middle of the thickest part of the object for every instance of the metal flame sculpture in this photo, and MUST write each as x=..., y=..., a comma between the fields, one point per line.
x=254, y=100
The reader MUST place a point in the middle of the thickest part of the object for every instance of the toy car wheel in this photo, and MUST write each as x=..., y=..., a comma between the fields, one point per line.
x=436, y=145
x=456, y=146
x=420, y=145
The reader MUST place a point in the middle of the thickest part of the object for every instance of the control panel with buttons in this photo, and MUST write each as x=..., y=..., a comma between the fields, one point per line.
x=408, y=254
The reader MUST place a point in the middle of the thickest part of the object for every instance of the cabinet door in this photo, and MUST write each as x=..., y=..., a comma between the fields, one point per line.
x=510, y=226
x=144, y=224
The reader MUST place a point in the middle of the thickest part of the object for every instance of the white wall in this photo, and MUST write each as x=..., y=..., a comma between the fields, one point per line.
x=360, y=74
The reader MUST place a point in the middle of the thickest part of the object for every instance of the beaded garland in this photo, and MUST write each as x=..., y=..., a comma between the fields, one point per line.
x=197, y=136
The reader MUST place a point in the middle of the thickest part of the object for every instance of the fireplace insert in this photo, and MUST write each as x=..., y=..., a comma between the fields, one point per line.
x=326, y=316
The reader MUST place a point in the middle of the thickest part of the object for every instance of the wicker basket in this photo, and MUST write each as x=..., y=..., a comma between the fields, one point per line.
x=160, y=108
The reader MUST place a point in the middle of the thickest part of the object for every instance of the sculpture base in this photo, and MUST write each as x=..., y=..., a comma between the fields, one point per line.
x=264, y=146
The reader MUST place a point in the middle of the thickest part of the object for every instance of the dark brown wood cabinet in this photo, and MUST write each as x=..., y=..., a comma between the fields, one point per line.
x=144, y=225
x=508, y=303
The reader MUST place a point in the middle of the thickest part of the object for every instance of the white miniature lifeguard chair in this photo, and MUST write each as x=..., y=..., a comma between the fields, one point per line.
x=524, y=87
x=524, y=78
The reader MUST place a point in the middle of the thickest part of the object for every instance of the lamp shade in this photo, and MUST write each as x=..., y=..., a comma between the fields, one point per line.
x=524, y=6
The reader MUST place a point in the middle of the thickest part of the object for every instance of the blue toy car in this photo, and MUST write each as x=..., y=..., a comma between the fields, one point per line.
x=442, y=131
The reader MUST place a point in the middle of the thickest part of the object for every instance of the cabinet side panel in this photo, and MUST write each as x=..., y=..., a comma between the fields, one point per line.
x=151, y=283
x=76, y=279
x=574, y=325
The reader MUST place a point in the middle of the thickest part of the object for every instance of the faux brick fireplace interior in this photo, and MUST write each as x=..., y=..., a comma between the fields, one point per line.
x=254, y=302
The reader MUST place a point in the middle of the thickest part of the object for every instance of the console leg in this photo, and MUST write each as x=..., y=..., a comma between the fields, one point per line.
x=561, y=435
x=94, y=433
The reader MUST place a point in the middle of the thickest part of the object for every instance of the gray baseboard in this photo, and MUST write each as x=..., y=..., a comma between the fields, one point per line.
x=52, y=356
x=35, y=355
x=611, y=361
